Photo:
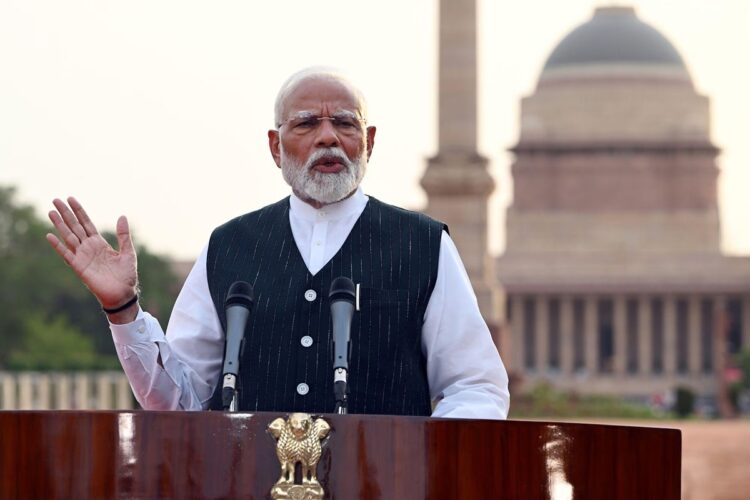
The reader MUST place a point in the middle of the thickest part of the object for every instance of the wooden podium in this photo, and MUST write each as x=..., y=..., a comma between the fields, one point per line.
x=109, y=454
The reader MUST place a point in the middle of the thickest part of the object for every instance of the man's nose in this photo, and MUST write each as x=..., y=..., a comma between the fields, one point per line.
x=327, y=136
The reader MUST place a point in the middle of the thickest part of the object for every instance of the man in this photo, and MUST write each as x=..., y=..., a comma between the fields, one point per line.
x=418, y=339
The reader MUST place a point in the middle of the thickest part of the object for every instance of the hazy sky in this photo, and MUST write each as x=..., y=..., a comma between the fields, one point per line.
x=159, y=109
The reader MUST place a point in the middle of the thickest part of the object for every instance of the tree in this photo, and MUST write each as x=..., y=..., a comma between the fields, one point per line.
x=743, y=362
x=37, y=288
x=56, y=345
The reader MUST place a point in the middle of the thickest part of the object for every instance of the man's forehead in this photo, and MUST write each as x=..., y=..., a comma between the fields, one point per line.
x=313, y=94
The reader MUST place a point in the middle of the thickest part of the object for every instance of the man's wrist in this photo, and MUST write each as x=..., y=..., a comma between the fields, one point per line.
x=122, y=306
x=127, y=315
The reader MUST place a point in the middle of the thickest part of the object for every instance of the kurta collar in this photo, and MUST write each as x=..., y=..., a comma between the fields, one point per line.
x=350, y=206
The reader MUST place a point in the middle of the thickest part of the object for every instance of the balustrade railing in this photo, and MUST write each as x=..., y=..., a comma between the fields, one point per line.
x=65, y=391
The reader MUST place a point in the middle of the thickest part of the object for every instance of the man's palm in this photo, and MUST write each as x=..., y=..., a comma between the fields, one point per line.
x=111, y=275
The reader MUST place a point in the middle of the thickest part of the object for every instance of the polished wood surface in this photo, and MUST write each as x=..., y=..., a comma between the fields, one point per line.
x=106, y=454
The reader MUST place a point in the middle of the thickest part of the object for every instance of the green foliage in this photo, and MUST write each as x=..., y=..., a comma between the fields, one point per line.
x=546, y=402
x=742, y=386
x=743, y=363
x=684, y=402
x=34, y=281
x=55, y=345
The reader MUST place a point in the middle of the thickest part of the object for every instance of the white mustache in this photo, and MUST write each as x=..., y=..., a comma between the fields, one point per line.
x=333, y=153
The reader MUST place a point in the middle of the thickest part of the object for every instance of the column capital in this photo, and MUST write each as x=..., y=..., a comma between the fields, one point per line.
x=452, y=174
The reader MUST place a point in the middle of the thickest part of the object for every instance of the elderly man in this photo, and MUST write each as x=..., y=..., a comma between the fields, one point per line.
x=420, y=345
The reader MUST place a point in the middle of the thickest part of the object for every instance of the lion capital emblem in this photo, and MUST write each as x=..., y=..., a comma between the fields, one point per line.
x=298, y=441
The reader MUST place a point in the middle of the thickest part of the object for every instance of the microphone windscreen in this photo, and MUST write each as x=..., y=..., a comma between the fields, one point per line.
x=240, y=293
x=342, y=288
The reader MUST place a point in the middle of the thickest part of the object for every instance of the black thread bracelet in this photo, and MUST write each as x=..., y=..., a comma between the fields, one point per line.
x=122, y=307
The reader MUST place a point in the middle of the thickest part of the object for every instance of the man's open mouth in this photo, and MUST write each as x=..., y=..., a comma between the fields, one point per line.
x=330, y=164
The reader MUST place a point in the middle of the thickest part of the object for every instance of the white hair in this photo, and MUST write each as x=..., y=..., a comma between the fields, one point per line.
x=313, y=72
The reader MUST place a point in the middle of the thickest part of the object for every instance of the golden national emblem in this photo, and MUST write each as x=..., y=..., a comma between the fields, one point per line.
x=298, y=440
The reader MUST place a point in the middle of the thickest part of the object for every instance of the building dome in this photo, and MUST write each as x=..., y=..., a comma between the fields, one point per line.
x=615, y=37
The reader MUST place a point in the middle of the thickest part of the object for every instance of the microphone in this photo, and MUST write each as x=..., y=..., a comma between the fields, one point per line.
x=237, y=305
x=342, y=298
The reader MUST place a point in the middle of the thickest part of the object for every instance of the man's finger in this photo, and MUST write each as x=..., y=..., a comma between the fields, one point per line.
x=124, y=241
x=70, y=239
x=70, y=219
x=82, y=216
x=61, y=249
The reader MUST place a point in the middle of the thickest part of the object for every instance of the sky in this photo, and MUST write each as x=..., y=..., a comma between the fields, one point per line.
x=159, y=110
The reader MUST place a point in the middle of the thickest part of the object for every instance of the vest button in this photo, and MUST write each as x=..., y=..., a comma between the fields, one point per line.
x=302, y=389
x=306, y=341
x=310, y=295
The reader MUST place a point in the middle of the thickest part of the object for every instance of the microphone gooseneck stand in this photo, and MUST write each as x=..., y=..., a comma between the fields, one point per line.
x=342, y=297
x=340, y=389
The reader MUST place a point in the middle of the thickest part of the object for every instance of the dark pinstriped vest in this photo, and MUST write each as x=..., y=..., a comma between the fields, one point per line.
x=392, y=253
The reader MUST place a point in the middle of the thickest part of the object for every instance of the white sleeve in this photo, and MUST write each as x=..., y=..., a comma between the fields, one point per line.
x=466, y=375
x=190, y=353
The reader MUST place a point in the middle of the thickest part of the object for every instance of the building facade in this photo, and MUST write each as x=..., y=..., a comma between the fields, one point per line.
x=613, y=269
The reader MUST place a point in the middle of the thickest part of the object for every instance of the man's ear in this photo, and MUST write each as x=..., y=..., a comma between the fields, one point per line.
x=274, y=144
x=370, y=140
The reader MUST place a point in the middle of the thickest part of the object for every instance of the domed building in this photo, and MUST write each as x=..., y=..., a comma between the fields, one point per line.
x=613, y=271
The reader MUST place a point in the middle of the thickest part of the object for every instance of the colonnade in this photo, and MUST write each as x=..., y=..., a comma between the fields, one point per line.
x=624, y=335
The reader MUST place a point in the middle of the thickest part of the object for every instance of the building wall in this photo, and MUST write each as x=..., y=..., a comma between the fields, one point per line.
x=553, y=233
x=621, y=107
x=616, y=177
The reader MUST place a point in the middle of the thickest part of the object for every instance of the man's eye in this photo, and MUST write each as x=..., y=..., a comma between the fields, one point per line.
x=305, y=124
x=344, y=123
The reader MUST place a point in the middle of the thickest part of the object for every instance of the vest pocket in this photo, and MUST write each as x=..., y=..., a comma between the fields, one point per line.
x=388, y=316
x=387, y=369
x=379, y=297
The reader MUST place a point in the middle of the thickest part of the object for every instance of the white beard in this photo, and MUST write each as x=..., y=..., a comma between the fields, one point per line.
x=325, y=188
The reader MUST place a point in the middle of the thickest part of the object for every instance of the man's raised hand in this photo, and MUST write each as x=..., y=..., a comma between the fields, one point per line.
x=110, y=274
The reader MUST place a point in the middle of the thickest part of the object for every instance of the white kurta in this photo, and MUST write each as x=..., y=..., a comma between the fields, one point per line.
x=466, y=376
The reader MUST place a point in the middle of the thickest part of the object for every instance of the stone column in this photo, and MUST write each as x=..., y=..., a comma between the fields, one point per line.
x=124, y=399
x=670, y=335
x=457, y=181
x=63, y=392
x=591, y=335
x=566, y=336
x=619, y=327
x=694, y=335
x=10, y=402
x=104, y=391
x=720, y=334
x=457, y=76
x=644, y=335
x=25, y=391
x=81, y=388
x=43, y=401
x=541, y=312
x=517, y=327
x=746, y=322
